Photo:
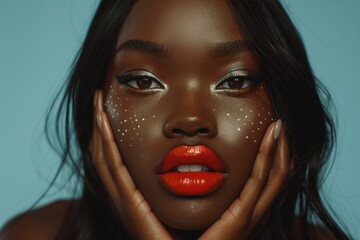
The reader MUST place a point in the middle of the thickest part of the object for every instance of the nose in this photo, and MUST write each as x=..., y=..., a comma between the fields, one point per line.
x=190, y=117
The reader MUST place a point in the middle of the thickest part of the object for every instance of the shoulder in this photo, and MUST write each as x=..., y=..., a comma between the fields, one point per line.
x=41, y=223
x=317, y=232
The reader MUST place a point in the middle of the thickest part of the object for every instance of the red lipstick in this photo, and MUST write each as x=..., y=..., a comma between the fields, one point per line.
x=191, y=171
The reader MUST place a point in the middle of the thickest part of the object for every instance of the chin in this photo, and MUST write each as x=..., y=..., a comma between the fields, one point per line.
x=191, y=214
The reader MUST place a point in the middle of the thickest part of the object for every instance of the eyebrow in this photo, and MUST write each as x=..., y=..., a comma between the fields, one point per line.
x=144, y=46
x=157, y=49
x=229, y=48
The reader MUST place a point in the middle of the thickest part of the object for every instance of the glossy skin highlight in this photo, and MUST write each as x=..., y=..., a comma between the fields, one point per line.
x=190, y=105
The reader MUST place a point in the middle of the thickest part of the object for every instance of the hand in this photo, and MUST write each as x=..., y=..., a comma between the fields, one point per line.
x=270, y=171
x=133, y=210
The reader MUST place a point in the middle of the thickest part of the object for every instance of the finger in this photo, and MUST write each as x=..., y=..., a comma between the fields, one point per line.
x=279, y=173
x=137, y=209
x=99, y=158
x=236, y=218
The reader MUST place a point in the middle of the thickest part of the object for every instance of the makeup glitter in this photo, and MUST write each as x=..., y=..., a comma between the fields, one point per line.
x=228, y=114
x=247, y=137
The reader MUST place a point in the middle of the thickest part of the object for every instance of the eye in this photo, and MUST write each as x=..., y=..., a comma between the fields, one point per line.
x=237, y=81
x=140, y=80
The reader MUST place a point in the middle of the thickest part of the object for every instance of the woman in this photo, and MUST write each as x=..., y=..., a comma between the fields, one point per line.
x=207, y=123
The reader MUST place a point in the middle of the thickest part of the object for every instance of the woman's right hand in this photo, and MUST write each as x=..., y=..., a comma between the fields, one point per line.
x=137, y=218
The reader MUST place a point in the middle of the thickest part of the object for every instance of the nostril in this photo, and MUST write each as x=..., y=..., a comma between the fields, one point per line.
x=203, y=131
x=177, y=131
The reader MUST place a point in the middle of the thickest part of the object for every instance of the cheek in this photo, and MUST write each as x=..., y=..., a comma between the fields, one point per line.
x=129, y=123
x=242, y=125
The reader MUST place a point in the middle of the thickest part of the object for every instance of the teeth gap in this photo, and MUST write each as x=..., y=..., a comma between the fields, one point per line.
x=192, y=168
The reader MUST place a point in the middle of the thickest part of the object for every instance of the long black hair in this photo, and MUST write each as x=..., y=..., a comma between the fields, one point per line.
x=297, y=97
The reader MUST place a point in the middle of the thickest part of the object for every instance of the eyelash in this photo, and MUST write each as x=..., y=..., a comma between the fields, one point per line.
x=246, y=79
x=133, y=80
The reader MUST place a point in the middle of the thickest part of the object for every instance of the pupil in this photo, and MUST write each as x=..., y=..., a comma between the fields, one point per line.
x=236, y=83
x=144, y=83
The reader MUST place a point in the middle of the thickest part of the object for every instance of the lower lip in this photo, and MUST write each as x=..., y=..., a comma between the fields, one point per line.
x=191, y=183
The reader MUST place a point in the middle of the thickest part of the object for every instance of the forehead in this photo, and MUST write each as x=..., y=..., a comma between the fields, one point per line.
x=181, y=23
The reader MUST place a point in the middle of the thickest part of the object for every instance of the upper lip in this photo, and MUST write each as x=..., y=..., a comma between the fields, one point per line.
x=191, y=155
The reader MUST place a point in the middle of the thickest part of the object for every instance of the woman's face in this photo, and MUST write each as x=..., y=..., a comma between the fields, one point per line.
x=183, y=77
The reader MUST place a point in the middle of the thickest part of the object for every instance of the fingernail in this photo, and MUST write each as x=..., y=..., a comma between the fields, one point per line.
x=95, y=98
x=98, y=119
x=277, y=129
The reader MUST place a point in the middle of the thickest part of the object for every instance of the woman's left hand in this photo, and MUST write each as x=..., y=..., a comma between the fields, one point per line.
x=269, y=174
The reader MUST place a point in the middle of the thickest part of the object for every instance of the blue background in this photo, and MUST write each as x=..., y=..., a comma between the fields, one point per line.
x=39, y=39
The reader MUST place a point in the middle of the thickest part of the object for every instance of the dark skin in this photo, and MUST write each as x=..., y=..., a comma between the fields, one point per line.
x=190, y=100
x=145, y=120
